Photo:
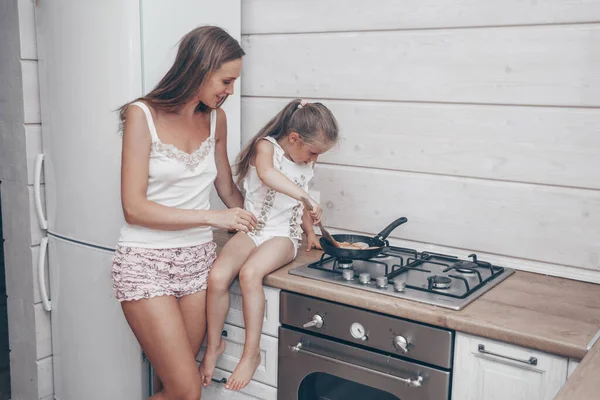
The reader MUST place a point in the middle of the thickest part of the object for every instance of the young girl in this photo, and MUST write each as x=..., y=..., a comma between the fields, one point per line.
x=174, y=149
x=274, y=170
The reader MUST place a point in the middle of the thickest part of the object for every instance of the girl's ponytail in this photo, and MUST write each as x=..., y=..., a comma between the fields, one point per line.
x=275, y=128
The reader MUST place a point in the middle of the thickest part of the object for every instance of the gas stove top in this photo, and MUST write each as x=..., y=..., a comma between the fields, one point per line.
x=431, y=278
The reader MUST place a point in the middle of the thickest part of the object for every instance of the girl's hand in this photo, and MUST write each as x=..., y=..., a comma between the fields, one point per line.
x=312, y=242
x=233, y=218
x=316, y=213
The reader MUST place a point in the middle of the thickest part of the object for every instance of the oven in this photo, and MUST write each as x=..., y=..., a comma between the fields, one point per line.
x=330, y=351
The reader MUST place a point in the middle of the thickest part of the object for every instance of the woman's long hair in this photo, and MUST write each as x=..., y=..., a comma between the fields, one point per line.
x=201, y=52
x=313, y=122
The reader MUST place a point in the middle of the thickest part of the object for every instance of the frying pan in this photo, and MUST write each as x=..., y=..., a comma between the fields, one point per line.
x=376, y=243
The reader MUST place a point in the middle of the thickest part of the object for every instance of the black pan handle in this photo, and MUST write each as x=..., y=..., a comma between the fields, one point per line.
x=388, y=229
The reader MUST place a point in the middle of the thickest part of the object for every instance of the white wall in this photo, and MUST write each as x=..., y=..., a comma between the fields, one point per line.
x=478, y=121
x=20, y=141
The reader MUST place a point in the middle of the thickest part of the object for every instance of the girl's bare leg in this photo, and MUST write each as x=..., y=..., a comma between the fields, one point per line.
x=223, y=272
x=269, y=256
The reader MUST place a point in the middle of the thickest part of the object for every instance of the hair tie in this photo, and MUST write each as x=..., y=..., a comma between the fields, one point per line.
x=302, y=104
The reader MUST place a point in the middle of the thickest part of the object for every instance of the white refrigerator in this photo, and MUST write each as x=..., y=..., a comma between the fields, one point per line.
x=93, y=57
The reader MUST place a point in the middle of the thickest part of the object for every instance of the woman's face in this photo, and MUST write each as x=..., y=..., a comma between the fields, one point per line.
x=219, y=84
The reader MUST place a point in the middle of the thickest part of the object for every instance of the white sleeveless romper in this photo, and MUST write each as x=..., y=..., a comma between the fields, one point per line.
x=278, y=214
x=151, y=262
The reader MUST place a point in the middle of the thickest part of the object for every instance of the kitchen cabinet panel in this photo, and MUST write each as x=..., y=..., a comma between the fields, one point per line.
x=571, y=366
x=502, y=371
x=234, y=338
x=235, y=315
x=254, y=390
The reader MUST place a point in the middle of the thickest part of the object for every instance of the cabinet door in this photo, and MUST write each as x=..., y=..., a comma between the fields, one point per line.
x=235, y=315
x=234, y=338
x=254, y=390
x=499, y=371
x=571, y=366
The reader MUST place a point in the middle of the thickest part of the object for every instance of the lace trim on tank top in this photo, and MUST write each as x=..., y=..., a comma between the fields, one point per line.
x=190, y=160
x=265, y=211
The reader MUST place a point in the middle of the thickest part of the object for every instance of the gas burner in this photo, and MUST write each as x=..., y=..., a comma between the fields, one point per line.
x=465, y=267
x=432, y=278
x=344, y=264
x=439, y=282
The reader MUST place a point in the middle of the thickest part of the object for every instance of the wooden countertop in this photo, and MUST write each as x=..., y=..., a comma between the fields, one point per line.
x=583, y=384
x=555, y=315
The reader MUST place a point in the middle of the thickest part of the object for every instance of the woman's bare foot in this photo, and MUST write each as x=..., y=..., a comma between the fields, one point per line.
x=243, y=372
x=207, y=368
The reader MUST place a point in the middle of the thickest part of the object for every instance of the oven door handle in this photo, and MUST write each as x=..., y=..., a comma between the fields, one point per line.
x=418, y=382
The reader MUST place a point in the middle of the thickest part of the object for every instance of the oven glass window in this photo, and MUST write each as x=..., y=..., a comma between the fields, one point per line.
x=322, y=386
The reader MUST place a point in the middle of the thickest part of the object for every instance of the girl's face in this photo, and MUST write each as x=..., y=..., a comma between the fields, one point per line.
x=219, y=84
x=302, y=152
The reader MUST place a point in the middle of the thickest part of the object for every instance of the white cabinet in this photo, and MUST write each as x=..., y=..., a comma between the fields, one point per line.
x=571, y=367
x=254, y=390
x=271, y=319
x=489, y=370
x=234, y=339
x=264, y=380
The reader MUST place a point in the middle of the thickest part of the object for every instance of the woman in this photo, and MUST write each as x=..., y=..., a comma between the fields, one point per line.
x=174, y=149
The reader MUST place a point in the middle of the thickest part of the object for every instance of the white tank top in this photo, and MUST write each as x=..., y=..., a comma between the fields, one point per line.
x=176, y=179
x=277, y=213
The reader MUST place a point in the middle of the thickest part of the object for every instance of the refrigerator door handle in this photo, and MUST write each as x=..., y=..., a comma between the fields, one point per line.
x=42, y=276
x=39, y=159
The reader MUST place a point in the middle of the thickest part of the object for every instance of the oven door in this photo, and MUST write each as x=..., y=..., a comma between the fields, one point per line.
x=312, y=368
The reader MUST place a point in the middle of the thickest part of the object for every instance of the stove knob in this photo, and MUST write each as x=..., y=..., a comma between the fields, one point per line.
x=348, y=274
x=399, y=286
x=381, y=282
x=317, y=322
x=364, y=278
x=400, y=343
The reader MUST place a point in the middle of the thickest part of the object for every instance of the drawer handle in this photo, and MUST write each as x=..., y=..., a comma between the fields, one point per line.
x=222, y=380
x=224, y=333
x=531, y=361
x=418, y=382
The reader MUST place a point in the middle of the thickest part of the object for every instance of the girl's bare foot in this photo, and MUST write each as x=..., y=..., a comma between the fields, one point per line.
x=243, y=372
x=207, y=368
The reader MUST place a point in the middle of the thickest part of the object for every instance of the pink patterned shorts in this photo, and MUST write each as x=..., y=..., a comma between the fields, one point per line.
x=140, y=273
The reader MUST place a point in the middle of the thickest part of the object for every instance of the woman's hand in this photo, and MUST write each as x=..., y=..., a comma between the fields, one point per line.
x=312, y=242
x=233, y=218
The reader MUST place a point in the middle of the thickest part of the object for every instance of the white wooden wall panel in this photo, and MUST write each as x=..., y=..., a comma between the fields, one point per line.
x=33, y=140
x=45, y=377
x=551, y=145
x=31, y=92
x=43, y=332
x=12, y=150
x=26, y=9
x=549, y=224
x=539, y=65
x=269, y=16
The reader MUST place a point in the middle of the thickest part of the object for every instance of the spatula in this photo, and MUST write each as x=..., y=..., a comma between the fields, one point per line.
x=324, y=231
